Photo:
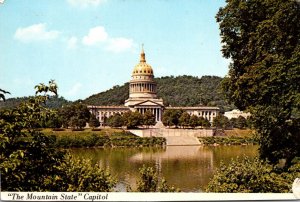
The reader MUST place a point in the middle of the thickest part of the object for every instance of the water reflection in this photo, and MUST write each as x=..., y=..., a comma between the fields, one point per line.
x=186, y=167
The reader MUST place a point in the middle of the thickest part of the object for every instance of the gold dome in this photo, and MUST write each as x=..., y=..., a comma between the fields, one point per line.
x=142, y=68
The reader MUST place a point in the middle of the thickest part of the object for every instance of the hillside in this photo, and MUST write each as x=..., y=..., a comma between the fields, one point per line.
x=53, y=103
x=175, y=91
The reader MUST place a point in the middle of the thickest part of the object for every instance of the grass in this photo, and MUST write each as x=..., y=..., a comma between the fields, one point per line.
x=104, y=138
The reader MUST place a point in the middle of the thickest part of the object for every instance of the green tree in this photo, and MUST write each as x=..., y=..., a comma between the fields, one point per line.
x=221, y=121
x=253, y=176
x=54, y=121
x=29, y=161
x=148, y=119
x=184, y=119
x=133, y=119
x=149, y=182
x=241, y=122
x=171, y=117
x=116, y=121
x=94, y=122
x=74, y=115
x=80, y=175
x=194, y=121
x=261, y=37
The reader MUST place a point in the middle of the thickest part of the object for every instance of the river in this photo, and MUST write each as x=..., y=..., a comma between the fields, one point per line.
x=186, y=167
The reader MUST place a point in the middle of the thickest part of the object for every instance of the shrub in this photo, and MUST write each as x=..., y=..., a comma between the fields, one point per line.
x=81, y=176
x=148, y=182
x=252, y=176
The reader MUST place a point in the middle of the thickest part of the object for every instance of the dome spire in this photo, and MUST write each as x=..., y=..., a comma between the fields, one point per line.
x=143, y=57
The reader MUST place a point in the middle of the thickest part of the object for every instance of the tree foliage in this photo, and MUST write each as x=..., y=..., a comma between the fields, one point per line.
x=93, y=121
x=2, y=94
x=148, y=119
x=253, y=176
x=149, y=182
x=221, y=121
x=29, y=160
x=74, y=115
x=27, y=165
x=116, y=121
x=262, y=40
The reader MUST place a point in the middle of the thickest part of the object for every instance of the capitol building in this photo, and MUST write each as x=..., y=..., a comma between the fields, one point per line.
x=143, y=97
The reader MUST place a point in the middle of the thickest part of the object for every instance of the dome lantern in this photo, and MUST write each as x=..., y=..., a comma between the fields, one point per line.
x=142, y=68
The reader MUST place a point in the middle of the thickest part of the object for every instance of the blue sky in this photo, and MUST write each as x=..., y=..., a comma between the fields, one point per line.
x=88, y=46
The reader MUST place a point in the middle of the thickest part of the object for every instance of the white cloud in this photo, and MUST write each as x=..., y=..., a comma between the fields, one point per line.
x=119, y=44
x=95, y=36
x=35, y=32
x=74, y=89
x=85, y=3
x=72, y=42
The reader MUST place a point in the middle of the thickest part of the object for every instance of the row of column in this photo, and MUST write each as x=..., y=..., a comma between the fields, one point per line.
x=140, y=87
x=156, y=111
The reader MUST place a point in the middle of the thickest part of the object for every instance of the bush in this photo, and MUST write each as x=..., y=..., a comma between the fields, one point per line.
x=81, y=176
x=228, y=140
x=253, y=176
x=148, y=182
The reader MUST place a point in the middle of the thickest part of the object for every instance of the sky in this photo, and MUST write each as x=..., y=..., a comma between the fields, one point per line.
x=89, y=46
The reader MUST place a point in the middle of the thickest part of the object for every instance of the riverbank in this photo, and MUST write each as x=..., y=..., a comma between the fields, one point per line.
x=102, y=138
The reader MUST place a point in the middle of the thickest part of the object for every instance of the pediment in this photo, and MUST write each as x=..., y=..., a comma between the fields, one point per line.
x=148, y=103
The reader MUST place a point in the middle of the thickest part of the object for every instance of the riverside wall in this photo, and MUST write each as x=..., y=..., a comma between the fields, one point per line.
x=171, y=132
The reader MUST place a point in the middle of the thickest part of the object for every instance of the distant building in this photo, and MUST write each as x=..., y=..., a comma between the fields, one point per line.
x=236, y=113
x=143, y=97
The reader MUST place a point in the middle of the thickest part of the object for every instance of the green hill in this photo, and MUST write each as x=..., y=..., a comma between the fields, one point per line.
x=175, y=91
x=53, y=102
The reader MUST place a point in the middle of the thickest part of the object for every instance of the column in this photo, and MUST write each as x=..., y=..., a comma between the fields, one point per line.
x=159, y=117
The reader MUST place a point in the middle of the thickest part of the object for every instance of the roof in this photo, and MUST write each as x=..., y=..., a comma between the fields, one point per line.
x=195, y=108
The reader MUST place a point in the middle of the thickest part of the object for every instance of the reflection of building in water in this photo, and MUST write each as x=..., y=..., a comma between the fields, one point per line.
x=236, y=113
x=174, y=153
x=143, y=97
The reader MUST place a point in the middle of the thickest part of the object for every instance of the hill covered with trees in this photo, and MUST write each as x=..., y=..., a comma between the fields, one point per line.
x=53, y=103
x=175, y=91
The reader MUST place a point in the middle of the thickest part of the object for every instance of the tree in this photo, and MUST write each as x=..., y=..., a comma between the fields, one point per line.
x=132, y=119
x=184, y=119
x=29, y=161
x=194, y=121
x=148, y=119
x=241, y=122
x=2, y=92
x=149, y=182
x=253, y=176
x=171, y=117
x=221, y=121
x=94, y=122
x=74, y=115
x=261, y=37
x=115, y=121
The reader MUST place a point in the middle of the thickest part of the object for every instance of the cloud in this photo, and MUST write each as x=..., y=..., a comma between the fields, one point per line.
x=35, y=32
x=119, y=44
x=72, y=42
x=74, y=89
x=85, y=3
x=95, y=36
